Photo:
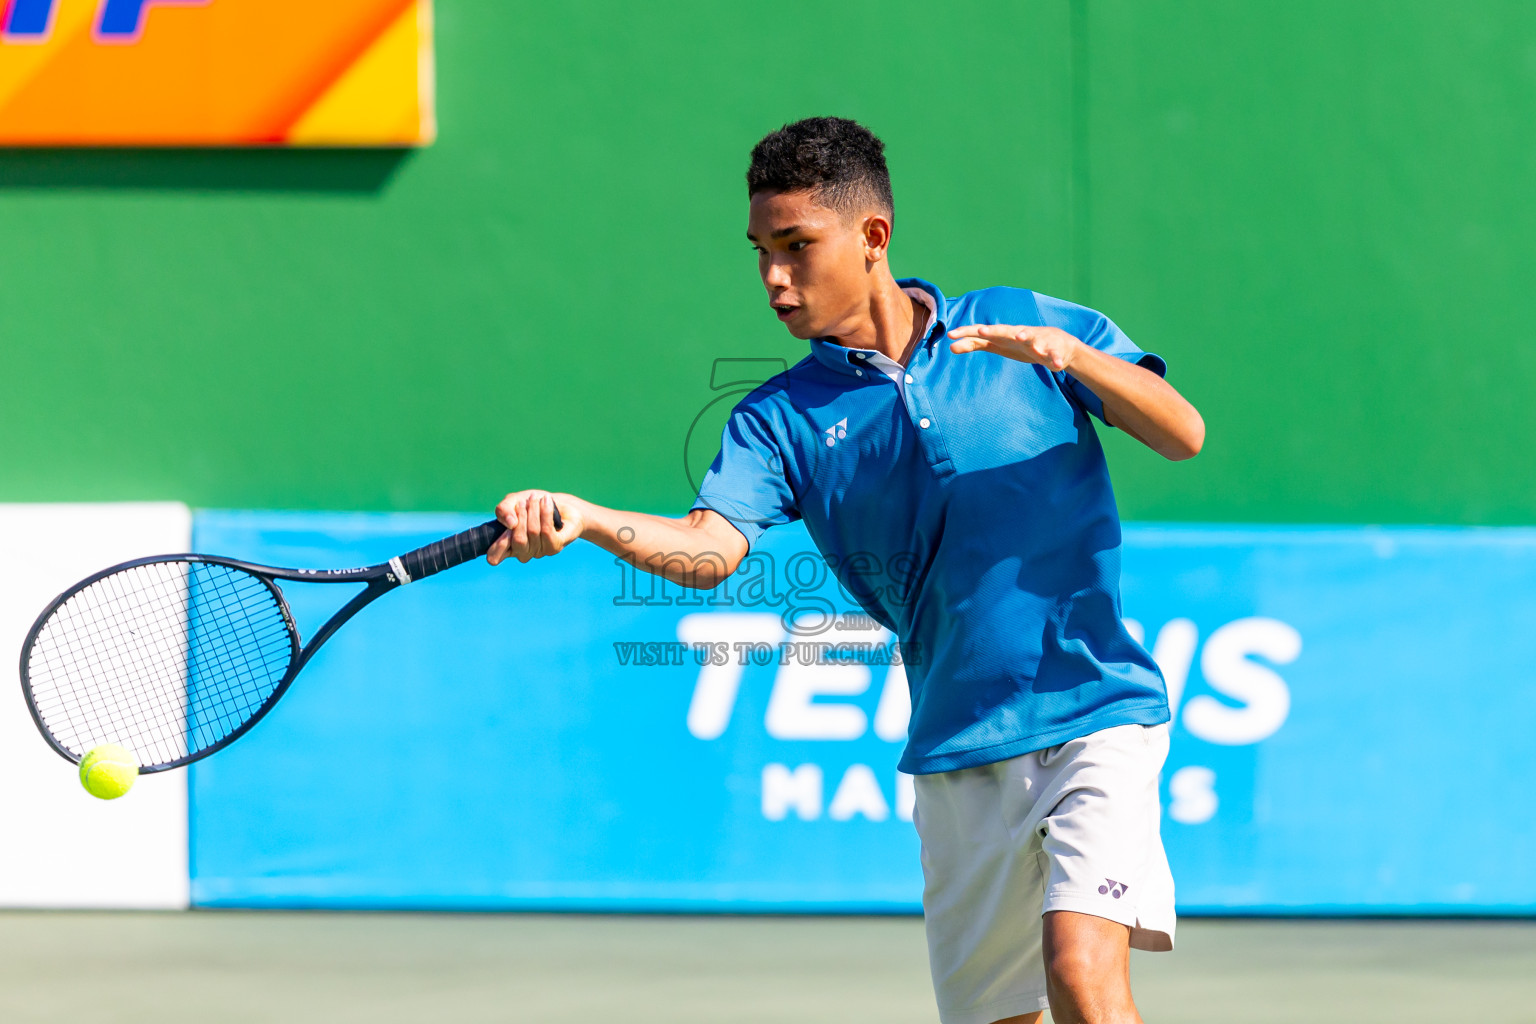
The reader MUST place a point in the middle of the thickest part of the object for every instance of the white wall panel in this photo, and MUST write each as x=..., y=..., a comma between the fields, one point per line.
x=59, y=846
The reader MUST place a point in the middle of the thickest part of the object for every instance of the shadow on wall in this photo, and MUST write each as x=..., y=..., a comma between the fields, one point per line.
x=362, y=171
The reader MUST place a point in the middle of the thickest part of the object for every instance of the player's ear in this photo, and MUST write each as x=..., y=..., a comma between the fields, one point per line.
x=877, y=236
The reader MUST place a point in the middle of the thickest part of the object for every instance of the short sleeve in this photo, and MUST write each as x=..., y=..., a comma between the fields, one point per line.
x=1096, y=329
x=747, y=483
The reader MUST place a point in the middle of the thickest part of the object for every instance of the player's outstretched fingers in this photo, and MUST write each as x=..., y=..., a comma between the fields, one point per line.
x=980, y=337
x=1048, y=346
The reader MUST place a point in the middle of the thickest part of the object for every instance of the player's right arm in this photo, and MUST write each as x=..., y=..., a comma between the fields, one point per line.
x=699, y=550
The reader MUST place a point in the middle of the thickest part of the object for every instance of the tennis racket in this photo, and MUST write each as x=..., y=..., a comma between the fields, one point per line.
x=177, y=656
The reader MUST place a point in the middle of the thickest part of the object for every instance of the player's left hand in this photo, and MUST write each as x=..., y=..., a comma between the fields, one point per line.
x=1048, y=346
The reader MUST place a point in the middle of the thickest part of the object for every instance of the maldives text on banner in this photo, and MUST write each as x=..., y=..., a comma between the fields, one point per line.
x=216, y=73
x=572, y=734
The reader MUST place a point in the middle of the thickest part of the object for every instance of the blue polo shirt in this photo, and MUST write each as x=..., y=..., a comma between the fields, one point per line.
x=968, y=510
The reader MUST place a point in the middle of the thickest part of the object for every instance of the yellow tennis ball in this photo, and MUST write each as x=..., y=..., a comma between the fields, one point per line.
x=108, y=771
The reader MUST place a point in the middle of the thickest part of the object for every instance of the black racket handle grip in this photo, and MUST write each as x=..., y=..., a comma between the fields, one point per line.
x=456, y=550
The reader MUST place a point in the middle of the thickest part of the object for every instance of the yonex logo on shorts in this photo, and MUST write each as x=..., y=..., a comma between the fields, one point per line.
x=1113, y=888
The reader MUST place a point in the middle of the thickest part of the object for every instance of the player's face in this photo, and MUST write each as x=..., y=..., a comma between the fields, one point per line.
x=813, y=261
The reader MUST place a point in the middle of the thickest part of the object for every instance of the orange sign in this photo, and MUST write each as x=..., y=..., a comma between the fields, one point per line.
x=216, y=72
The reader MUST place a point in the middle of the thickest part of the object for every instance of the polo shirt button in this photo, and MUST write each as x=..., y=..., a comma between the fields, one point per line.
x=909, y=378
x=859, y=372
x=858, y=355
x=924, y=423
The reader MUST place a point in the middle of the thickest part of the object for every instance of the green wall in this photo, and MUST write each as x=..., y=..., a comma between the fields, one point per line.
x=1319, y=212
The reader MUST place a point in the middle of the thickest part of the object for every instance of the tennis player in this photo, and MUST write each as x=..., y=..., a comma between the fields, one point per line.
x=942, y=455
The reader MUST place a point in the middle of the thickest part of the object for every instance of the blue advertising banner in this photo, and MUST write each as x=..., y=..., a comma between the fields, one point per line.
x=1352, y=711
x=545, y=735
x=1354, y=714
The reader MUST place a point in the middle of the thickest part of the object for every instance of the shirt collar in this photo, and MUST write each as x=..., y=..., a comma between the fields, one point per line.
x=841, y=358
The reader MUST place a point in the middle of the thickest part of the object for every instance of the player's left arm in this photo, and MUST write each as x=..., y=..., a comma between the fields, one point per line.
x=1135, y=399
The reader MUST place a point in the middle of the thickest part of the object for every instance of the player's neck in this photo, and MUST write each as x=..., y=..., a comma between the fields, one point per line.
x=889, y=324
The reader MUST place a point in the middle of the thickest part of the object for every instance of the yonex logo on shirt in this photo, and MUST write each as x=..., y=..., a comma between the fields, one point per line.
x=836, y=432
x=1113, y=888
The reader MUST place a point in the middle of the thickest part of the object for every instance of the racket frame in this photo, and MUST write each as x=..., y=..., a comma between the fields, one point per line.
x=418, y=564
x=380, y=580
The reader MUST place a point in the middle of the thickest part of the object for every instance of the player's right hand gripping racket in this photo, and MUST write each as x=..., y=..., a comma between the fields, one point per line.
x=177, y=656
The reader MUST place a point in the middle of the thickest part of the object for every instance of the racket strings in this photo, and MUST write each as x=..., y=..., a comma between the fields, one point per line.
x=166, y=659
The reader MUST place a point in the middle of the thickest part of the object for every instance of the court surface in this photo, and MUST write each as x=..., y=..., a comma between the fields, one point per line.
x=376, y=968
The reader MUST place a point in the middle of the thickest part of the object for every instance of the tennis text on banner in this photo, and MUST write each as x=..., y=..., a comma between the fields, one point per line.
x=834, y=699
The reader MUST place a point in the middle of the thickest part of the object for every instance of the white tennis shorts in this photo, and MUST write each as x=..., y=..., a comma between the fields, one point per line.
x=1072, y=827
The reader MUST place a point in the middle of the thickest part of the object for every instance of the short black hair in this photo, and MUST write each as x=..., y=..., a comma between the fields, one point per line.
x=839, y=161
